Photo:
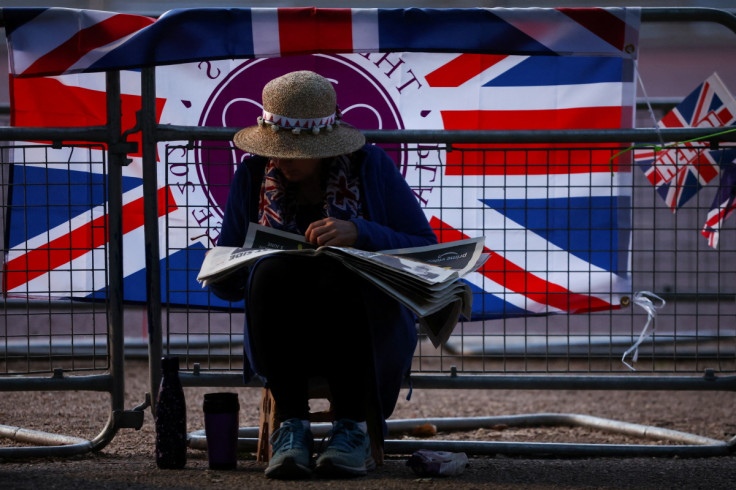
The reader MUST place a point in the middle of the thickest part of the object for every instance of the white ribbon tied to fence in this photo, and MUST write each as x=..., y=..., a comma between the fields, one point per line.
x=642, y=298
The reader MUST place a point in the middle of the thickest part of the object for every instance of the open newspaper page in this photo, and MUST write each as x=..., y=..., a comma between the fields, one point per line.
x=437, y=314
x=462, y=256
x=404, y=268
x=424, y=279
x=220, y=262
x=259, y=241
x=260, y=236
x=439, y=306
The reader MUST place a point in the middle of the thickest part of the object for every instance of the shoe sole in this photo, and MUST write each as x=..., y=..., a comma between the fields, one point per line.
x=288, y=470
x=330, y=469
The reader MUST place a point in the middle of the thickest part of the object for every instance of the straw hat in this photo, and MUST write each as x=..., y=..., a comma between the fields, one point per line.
x=300, y=120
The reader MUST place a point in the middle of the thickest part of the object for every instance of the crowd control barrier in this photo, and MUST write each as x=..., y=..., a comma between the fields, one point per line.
x=685, y=312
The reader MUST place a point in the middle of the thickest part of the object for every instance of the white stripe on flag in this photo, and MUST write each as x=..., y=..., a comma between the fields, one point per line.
x=472, y=98
x=365, y=31
x=512, y=297
x=609, y=292
x=265, y=29
x=82, y=276
x=97, y=53
x=496, y=70
x=537, y=255
x=130, y=81
x=65, y=228
x=533, y=253
x=57, y=26
x=544, y=186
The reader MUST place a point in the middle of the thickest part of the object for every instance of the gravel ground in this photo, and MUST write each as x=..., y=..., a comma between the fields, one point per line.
x=127, y=462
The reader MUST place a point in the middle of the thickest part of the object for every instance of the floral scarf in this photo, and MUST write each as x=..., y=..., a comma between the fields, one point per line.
x=342, y=196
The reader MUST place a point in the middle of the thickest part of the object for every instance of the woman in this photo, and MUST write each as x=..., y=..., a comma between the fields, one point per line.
x=310, y=316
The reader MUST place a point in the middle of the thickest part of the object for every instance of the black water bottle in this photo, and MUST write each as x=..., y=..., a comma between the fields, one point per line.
x=171, y=418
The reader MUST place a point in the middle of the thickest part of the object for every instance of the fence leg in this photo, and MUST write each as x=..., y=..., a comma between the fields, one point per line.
x=147, y=125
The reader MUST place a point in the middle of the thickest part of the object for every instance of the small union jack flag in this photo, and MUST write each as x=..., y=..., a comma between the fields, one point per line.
x=679, y=173
x=723, y=205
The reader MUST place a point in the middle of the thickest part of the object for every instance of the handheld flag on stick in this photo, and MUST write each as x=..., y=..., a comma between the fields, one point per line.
x=679, y=173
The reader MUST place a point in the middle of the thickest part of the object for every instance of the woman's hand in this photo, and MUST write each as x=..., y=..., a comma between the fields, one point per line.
x=332, y=231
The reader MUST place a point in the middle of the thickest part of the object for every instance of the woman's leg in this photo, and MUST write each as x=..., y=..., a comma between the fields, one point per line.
x=307, y=318
x=345, y=352
x=280, y=340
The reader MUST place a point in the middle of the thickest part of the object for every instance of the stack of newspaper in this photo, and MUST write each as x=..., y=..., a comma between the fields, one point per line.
x=424, y=279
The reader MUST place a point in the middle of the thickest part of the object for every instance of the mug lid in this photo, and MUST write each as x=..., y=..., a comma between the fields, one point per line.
x=223, y=402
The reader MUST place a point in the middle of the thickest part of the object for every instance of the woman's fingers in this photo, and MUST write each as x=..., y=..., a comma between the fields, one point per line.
x=332, y=231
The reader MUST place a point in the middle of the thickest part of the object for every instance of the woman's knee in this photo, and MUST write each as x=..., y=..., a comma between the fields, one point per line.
x=269, y=270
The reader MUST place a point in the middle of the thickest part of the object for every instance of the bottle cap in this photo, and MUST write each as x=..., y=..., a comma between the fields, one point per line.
x=170, y=363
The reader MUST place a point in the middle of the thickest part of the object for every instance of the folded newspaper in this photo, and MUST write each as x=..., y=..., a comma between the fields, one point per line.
x=424, y=279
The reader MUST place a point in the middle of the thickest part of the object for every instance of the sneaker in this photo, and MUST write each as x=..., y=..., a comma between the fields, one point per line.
x=348, y=452
x=292, y=451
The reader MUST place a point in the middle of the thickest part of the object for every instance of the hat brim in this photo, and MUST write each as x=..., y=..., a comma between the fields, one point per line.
x=263, y=141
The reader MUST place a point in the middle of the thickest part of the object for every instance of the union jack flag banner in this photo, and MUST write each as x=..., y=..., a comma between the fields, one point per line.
x=556, y=227
x=679, y=173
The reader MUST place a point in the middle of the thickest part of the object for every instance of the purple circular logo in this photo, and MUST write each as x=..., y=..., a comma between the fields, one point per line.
x=236, y=102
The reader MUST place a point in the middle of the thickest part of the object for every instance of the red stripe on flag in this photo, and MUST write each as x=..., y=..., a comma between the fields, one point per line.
x=304, y=30
x=509, y=275
x=65, y=55
x=601, y=23
x=672, y=120
x=538, y=158
x=462, y=69
x=585, y=117
x=513, y=277
x=717, y=217
x=707, y=171
x=46, y=102
x=698, y=112
x=62, y=250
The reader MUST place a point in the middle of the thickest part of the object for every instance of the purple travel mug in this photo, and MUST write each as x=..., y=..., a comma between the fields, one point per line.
x=221, y=428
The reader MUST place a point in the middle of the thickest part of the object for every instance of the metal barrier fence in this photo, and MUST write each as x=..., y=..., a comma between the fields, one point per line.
x=42, y=332
x=691, y=349
x=47, y=342
x=669, y=257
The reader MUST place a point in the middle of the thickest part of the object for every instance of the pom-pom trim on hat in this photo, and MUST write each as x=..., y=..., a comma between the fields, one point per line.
x=296, y=125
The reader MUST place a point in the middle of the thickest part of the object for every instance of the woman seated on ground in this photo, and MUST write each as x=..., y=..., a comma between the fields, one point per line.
x=309, y=316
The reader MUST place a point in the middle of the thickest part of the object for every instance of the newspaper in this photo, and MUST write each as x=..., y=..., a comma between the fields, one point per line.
x=424, y=279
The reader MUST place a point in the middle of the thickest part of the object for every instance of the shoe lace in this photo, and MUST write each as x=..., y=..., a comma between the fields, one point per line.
x=346, y=436
x=289, y=435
